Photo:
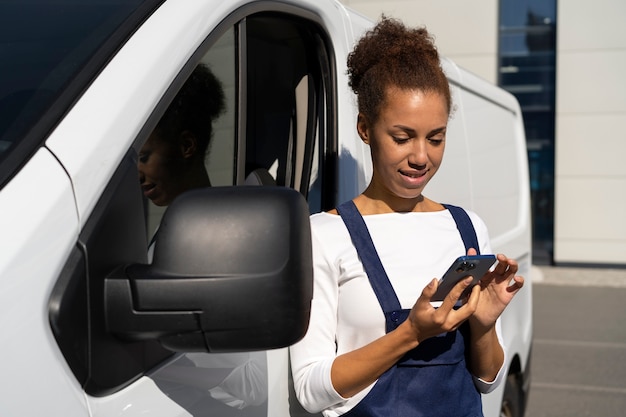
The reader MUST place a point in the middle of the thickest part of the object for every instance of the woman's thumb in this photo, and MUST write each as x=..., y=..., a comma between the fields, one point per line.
x=429, y=290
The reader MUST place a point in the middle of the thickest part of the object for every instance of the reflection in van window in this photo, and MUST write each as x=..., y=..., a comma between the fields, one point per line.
x=193, y=144
x=171, y=161
x=229, y=384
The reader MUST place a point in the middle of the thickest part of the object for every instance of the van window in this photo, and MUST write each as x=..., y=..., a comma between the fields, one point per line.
x=285, y=110
x=278, y=131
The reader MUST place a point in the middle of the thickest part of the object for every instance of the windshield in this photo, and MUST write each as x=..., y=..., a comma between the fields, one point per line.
x=50, y=50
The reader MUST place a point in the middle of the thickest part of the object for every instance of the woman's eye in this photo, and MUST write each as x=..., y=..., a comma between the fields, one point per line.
x=436, y=140
x=143, y=157
x=400, y=140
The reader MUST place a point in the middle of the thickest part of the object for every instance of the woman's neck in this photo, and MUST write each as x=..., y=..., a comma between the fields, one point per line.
x=371, y=203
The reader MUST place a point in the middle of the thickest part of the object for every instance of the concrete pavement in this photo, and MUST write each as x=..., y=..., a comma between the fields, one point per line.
x=579, y=276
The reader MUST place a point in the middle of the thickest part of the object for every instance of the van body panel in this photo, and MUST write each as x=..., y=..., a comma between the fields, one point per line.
x=39, y=226
x=142, y=398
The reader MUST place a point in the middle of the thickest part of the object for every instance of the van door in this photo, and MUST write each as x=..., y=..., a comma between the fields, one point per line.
x=269, y=121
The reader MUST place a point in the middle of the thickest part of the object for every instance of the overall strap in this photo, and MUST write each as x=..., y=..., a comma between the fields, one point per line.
x=465, y=226
x=369, y=257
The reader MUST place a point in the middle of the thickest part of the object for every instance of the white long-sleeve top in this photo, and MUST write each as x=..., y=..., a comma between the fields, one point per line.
x=414, y=248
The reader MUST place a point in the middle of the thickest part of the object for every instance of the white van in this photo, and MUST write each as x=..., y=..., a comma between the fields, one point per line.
x=94, y=325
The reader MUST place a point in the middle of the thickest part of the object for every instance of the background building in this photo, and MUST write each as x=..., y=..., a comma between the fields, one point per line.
x=565, y=61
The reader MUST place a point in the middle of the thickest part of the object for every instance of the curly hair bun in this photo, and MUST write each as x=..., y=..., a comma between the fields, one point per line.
x=390, y=54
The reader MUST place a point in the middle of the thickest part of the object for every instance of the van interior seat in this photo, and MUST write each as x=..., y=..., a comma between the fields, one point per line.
x=259, y=176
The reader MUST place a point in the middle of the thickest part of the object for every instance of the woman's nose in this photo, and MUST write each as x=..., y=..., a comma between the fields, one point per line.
x=419, y=155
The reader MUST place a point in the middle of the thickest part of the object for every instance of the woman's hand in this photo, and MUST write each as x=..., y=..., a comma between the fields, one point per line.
x=427, y=321
x=497, y=289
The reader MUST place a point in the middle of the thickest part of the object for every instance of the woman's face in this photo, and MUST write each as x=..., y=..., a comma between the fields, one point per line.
x=161, y=167
x=407, y=142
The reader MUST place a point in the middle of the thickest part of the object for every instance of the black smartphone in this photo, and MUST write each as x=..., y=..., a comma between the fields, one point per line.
x=476, y=266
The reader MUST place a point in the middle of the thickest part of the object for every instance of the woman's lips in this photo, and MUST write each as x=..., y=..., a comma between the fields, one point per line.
x=149, y=190
x=414, y=178
x=414, y=174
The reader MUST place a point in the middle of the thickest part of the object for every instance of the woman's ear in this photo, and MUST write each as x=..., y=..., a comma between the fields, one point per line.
x=187, y=143
x=362, y=128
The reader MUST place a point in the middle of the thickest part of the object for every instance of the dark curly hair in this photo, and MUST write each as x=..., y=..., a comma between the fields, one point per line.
x=198, y=103
x=392, y=55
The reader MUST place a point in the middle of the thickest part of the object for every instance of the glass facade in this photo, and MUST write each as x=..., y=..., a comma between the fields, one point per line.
x=527, y=68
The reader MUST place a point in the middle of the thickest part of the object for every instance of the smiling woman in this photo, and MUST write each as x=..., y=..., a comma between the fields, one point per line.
x=384, y=248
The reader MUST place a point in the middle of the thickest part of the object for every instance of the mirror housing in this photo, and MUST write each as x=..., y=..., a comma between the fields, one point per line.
x=232, y=271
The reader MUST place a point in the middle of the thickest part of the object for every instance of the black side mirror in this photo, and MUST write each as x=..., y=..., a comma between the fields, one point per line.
x=231, y=271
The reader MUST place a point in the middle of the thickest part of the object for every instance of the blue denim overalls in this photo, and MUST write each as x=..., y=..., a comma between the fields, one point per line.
x=431, y=380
